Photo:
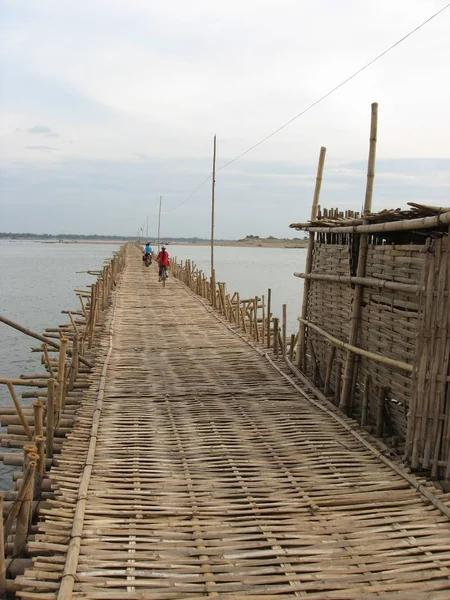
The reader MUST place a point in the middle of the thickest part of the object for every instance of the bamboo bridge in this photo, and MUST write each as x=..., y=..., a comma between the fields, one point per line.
x=192, y=462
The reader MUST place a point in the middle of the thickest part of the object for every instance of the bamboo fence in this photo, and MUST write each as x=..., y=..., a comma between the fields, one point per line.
x=39, y=430
x=395, y=354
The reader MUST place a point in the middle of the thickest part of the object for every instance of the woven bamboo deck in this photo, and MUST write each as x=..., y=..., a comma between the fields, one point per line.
x=197, y=469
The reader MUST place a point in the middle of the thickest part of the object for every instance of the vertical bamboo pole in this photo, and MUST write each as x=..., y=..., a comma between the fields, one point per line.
x=284, y=328
x=22, y=417
x=275, y=335
x=255, y=315
x=61, y=381
x=365, y=403
x=361, y=268
x=159, y=222
x=263, y=322
x=337, y=386
x=329, y=370
x=2, y=552
x=380, y=411
x=269, y=302
x=213, y=190
x=23, y=518
x=50, y=423
x=291, y=348
x=301, y=350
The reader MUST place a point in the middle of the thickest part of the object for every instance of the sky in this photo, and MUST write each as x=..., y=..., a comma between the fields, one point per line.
x=108, y=104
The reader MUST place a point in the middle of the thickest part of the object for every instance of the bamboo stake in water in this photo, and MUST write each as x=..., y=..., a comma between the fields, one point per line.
x=269, y=302
x=213, y=189
x=301, y=350
x=284, y=327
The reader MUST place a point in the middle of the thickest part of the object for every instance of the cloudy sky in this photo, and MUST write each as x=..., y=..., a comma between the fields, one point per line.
x=106, y=104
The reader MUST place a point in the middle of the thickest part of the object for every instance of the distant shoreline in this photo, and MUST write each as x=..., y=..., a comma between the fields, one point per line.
x=253, y=243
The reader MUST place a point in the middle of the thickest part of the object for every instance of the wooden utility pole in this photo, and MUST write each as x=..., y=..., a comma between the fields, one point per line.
x=213, y=188
x=159, y=220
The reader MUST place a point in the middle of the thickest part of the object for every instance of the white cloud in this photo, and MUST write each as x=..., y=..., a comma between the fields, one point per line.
x=151, y=82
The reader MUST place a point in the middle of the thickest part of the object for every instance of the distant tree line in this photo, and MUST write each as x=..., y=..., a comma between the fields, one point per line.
x=75, y=236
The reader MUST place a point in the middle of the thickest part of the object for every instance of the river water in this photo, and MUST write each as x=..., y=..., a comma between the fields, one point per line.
x=37, y=281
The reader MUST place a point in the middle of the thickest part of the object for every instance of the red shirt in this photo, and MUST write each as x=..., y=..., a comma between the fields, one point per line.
x=163, y=259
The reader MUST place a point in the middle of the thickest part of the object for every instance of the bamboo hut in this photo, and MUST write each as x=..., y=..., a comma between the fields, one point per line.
x=375, y=325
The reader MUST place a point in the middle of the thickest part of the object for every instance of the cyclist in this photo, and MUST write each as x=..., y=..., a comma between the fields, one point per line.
x=163, y=261
x=147, y=252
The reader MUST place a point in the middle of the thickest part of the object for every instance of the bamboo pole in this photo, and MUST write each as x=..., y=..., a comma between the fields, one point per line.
x=329, y=370
x=365, y=403
x=24, y=514
x=50, y=422
x=159, y=223
x=405, y=288
x=380, y=411
x=361, y=268
x=263, y=324
x=284, y=328
x=61, y=381
x=275, y=335
x=269, y=315
x=301, y=349
x=41, y=338
x=372, y=355
x=2, y=552
x=22, y=417
x=213, y=190
x=337, y=387
x=255, y=315
x=291, y=347
x=405, y=225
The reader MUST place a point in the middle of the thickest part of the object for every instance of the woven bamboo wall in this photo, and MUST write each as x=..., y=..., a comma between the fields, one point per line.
x=329, y=303
x=408, y=327
x=428, y=438
x=389, y=324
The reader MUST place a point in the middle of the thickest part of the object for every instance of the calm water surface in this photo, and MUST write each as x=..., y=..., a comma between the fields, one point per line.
x=37, y=281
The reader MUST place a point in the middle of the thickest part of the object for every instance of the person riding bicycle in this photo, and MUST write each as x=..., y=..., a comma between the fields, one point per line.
x=147, y=252
x=163, y=261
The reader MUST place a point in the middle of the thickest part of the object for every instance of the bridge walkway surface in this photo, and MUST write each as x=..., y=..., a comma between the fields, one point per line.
x=197, y=468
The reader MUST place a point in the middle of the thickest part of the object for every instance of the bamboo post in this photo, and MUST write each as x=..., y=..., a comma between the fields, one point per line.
x=380, y=411
x=269, y=301
x=329, y=370
x=213, y=189
x=24, y=516
x=2, y=552
x=60, y=390
x=301, y=350
x=50, y=423
x=365, y=402
x=361, y=268
x=284, y=328
x=275, y=335
x=238, y=309
x=74, y=363
x=22, y=417
x=337, y=387
x=255, y=315
x=291, y=348
x=263, y=322
x=159, y=222
x=213, y=289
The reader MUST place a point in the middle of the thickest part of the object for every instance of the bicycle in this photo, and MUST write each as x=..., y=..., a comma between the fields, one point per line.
x=163, y=276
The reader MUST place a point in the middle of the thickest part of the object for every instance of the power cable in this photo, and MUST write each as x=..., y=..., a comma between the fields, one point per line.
x=300, y=114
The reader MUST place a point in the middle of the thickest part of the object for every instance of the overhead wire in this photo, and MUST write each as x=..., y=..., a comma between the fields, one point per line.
x=321, y=99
